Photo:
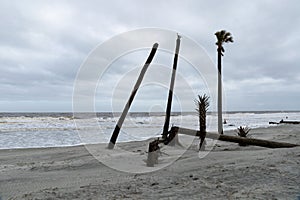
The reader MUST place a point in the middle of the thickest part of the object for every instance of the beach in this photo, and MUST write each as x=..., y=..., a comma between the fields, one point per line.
x=224, y=171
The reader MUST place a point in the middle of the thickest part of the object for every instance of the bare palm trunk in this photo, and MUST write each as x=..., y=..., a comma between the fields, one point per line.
x=170, y=97
x=235, y=139
x=220, y=120
x=115, y=134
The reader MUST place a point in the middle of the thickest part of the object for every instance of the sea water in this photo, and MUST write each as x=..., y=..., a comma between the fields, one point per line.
x=33, y=130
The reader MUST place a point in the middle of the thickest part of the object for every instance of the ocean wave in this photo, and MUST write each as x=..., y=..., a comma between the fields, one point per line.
x=44, y=129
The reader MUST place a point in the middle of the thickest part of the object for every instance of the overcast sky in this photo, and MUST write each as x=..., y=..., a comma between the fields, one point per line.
x=44, y=43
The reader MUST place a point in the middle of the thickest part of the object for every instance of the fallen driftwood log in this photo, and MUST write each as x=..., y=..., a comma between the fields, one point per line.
x=285, y=122
x=246, y=141
x=289, y=122
x=172, y=139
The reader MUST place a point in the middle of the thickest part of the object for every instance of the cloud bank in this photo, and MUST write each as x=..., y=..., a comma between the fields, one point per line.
x=44, y=43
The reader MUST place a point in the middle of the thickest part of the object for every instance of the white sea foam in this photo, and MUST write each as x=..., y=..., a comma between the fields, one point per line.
x=52, y=130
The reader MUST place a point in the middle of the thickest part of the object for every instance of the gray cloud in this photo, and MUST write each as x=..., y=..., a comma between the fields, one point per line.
x=44, y=43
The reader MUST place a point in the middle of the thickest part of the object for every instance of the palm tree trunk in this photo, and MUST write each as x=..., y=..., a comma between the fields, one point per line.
x=247, y=141
x=202, y=122
x=170, y=97
x=118, y=126
x=220, y=120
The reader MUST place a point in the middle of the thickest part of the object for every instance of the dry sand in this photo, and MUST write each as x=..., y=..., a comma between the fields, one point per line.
x=227, y=172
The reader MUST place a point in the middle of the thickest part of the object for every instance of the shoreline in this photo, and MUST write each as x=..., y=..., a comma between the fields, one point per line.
x=230, y=132
x=227, y=171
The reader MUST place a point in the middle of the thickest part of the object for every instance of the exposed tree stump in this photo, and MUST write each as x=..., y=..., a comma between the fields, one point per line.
x=153, y=153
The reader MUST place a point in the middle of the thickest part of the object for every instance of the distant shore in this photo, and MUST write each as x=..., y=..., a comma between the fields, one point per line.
x=228, y=171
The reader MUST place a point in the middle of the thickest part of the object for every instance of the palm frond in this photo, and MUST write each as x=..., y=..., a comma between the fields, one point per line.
x=202, y=104
x=227, y=35
x=230, y=39
x=223, y=37
x=222, y=32
x=243, y=131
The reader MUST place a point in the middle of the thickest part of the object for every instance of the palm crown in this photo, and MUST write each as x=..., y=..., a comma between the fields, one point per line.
x=223, y=36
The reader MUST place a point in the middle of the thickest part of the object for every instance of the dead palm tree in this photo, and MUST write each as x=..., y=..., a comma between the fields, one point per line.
x=119, y=124
x=172, y=83
x=202, y=106
x=222, y=37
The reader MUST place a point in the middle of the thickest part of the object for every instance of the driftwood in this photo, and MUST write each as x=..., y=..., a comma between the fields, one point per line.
x=285, y=122
x=172, y=139
x=273, y=122
x=289, y=122
x=246, y=141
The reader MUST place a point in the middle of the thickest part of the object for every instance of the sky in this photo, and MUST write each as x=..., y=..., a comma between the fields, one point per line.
x=44, y=44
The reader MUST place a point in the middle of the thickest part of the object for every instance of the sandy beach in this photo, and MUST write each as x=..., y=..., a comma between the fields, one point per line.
x=228, y=171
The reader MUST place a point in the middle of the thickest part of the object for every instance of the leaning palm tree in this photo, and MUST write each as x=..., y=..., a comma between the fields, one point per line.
x=202, y=104
x=222, y=37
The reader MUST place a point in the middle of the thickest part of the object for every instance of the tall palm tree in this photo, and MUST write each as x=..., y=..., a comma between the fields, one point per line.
x=222, y=37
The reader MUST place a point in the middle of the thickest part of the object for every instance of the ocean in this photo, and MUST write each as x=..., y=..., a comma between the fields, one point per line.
x=34, y=130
